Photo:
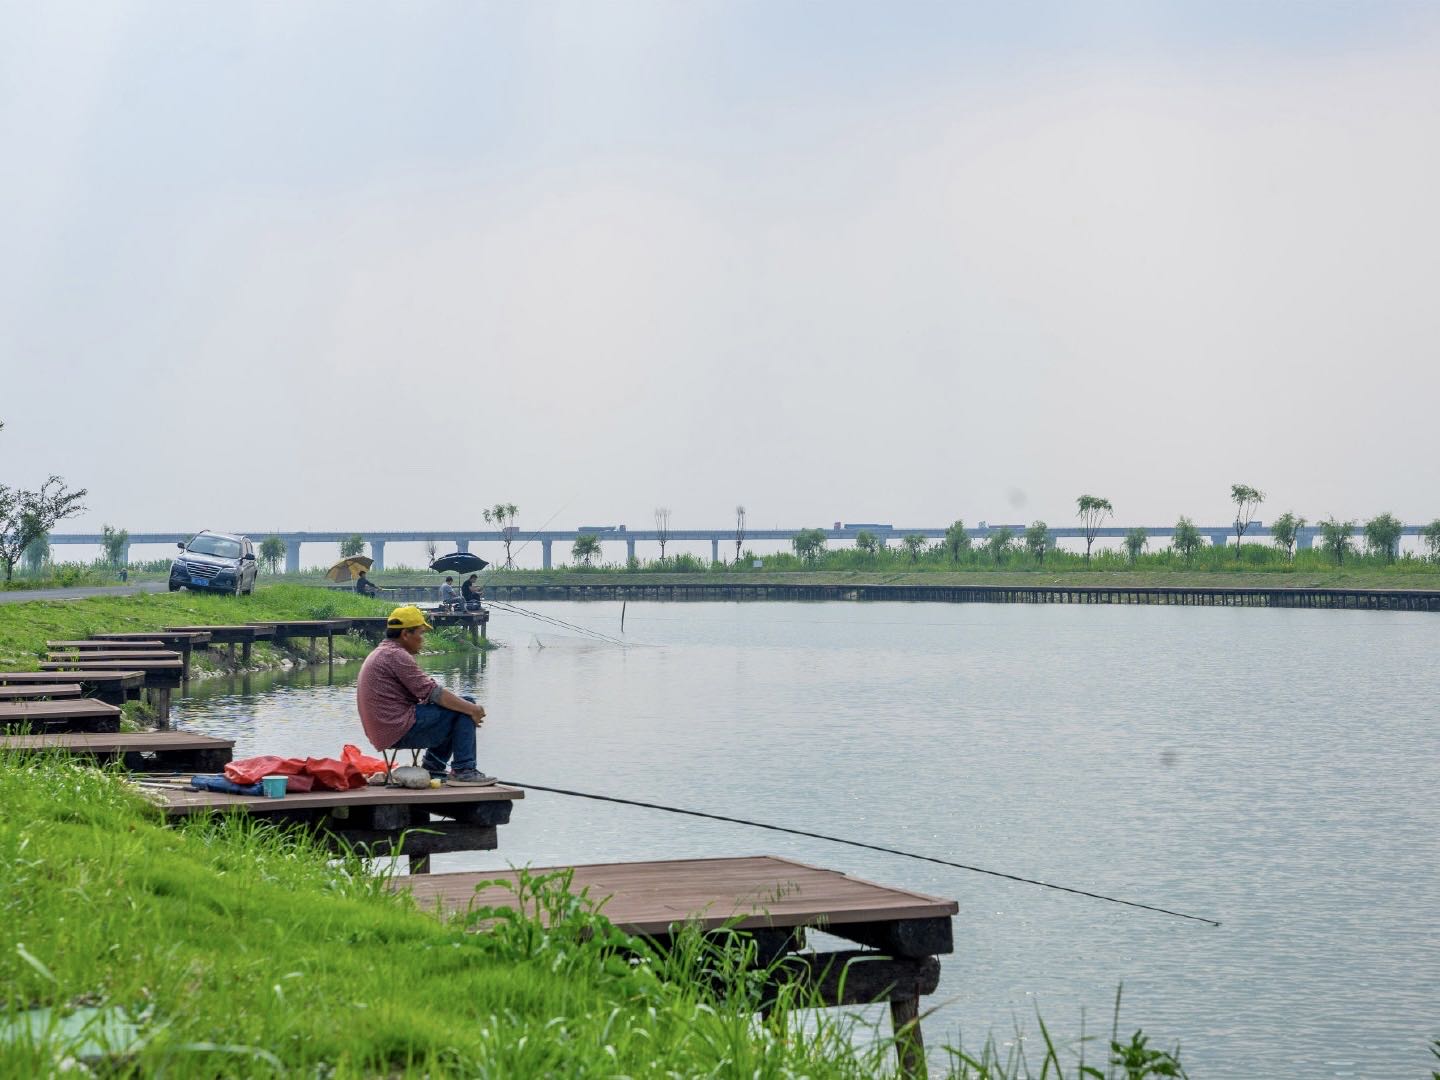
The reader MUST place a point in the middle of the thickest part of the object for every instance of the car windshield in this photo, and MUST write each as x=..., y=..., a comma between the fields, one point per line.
x=219, y=546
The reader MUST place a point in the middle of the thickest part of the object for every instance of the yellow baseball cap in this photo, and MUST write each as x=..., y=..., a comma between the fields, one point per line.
x=403, y=618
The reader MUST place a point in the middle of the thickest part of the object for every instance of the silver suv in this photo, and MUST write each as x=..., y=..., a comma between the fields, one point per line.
x=215, y=562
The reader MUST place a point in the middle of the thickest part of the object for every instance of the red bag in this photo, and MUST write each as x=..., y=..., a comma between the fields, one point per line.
x=334, y=774
x=369, y=766
x=249, y=770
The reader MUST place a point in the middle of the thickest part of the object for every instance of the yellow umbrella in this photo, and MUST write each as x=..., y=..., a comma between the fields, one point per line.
x=349, y=568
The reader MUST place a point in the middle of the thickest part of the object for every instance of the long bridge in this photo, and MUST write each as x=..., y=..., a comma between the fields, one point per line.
x=463, y=538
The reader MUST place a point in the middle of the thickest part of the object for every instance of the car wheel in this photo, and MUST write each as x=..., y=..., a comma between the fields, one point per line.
x=174, y=587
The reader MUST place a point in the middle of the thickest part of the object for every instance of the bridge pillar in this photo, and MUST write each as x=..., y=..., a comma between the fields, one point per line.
x=462, y=545
x=545, y=553
x=629, y=550
x=714, y=550
x=1219, y=539
x=292, y=556
x=377, y=552
x=1305, y=539
x=125, y=554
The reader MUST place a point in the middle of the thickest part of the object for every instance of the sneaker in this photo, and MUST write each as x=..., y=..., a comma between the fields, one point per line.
x=470, y=778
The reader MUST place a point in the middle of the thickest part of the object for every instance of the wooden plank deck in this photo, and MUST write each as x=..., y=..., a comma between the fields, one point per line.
x=139, y=750
x=35, y=693
x=227, y=635
x=649, y=897
x=80, y=714
x=94, y=645
x=901, y=933
x=109, y=656
x=156, y=674
x=112, y=687
x=376, y=820
x=181, y=801
x=193, y=639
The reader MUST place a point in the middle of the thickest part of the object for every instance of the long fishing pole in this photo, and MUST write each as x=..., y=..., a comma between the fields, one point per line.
x=862, y=844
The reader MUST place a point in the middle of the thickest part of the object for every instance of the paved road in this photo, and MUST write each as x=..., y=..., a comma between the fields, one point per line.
x=19, y=597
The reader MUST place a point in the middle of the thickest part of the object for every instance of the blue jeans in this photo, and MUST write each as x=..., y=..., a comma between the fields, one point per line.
x=442, y=734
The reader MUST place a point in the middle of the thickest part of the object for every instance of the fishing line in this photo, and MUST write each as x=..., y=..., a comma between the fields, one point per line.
x=504, y=605
x=862, y=844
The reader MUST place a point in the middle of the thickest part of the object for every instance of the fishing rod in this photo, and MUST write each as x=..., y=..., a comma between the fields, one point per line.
x=862, y=844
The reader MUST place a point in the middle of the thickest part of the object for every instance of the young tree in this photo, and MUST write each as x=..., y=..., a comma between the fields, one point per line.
x=432, y=549
x=997, y=544
x=1037, y=541
x=114, y=541
x=957, y=540
x=866, y=542
x=35, y=554
x=352, y=545
x=272, y=550
x=808, y=543
x=25, y=515
x=1092, y=511
x=739, y=530
x=1135, y=541
x=1246, y=499
x=502, y=516
x=1187, y=539
x=1336, y=538
x=586, y=547
x=1285, y=531
x=662, y=527
x=1430, y=534
x=1382, y=536
x=914, y=545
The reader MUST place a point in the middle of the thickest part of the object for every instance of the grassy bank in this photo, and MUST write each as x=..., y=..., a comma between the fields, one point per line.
x=24, y=628
x=227, y=949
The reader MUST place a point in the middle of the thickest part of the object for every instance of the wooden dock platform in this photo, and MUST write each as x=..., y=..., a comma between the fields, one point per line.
x=77, y=714
x=138, y=751
x=54, y=691
x=314, y=629
x=901, y=933
x=110, y=686
x=245, y=635
x=377, y=820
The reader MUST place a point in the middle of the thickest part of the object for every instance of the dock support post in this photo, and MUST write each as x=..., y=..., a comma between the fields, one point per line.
x=909, y=1042
x=419, y=864
x=245, y=653
x=162, y=708
x=330, y=642
x=545, y=554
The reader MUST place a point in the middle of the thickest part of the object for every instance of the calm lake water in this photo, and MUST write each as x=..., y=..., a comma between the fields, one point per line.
x=1275, y=770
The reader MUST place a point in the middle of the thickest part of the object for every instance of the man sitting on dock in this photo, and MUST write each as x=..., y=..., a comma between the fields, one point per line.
x=403, y=708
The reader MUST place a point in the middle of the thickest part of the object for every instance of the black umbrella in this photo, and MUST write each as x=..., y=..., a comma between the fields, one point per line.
x=462, y=562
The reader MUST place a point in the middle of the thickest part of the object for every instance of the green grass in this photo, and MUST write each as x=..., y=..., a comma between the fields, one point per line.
x=228, y=948
x=25, y=627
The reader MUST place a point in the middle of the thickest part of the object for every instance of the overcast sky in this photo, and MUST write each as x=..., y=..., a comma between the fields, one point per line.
x=360, y=266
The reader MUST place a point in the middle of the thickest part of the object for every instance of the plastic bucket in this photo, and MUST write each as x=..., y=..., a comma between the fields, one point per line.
x=273, y=786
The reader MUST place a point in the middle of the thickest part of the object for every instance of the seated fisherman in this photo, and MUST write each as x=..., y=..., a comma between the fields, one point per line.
x=364, y=586
x=403, y=708
x=471, y=591
x=447, y=591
